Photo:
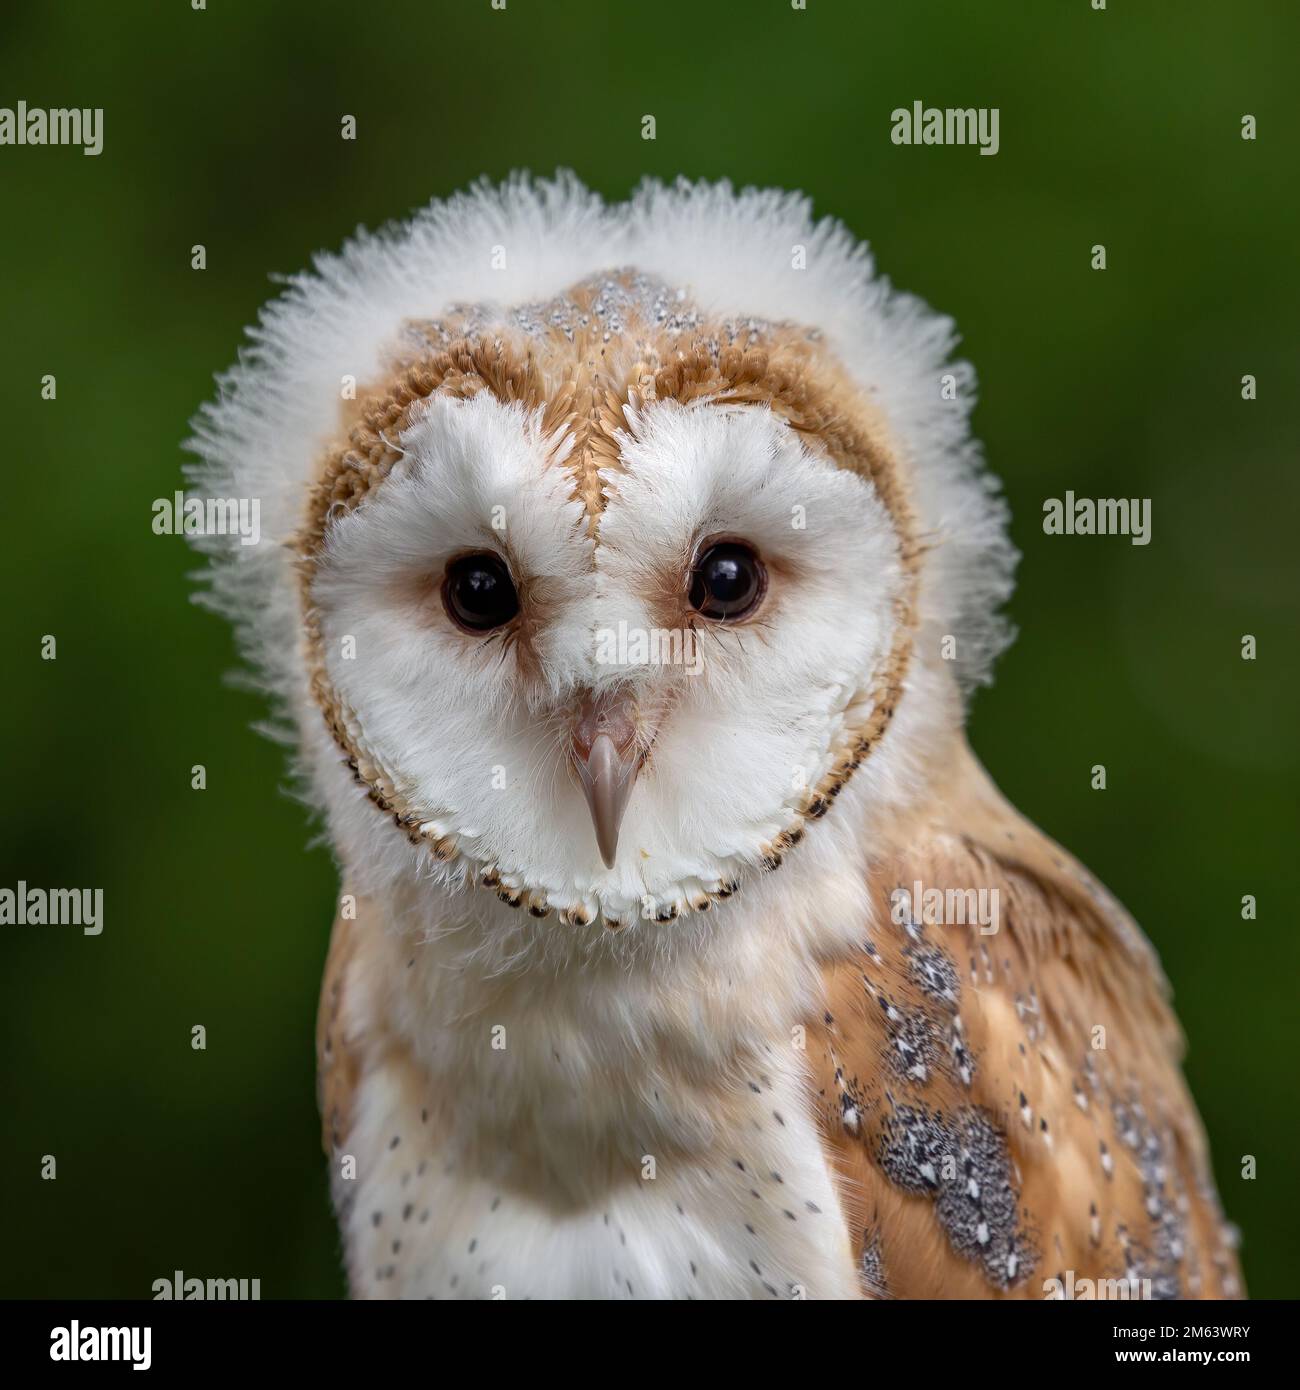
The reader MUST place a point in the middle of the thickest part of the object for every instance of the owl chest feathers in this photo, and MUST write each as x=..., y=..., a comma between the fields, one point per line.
x=558, y=1136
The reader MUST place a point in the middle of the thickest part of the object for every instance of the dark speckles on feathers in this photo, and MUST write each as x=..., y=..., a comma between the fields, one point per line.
x=915, y=1046
x=963, y=1060
x=913, y=1144
x=964, y=1165
x=851, y=1108
x=873, y=1264
x=931, y=969
x=1160, y=1257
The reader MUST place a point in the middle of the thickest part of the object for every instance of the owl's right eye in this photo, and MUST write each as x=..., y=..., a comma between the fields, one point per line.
x=478, y=593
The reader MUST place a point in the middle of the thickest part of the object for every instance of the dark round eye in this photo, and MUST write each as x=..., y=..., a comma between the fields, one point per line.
x=478, y=592
x=728, y=581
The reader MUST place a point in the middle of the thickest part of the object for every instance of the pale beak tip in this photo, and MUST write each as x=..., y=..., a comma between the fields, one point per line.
x=607, y=777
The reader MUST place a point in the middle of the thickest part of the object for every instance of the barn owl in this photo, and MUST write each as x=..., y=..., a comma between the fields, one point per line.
x=625, y=570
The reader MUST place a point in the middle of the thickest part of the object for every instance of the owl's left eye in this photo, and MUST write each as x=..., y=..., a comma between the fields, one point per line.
x=728, y=582
x=478, y=592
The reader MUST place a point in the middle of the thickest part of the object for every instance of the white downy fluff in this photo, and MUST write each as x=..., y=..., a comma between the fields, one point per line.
x=445, y=715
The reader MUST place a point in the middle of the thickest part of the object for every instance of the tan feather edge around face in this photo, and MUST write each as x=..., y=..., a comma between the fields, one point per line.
x=769, y=367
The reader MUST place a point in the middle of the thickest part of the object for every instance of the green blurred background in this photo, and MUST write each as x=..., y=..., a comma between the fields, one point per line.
x=222, y=127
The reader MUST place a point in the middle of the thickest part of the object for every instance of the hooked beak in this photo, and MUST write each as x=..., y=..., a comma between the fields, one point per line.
x=606, y=759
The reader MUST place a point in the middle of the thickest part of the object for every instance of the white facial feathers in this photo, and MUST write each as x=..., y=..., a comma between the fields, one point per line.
x=763, y=710
x=741, y=727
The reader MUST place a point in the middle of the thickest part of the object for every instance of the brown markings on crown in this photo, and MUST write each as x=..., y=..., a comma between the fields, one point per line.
x=590, y=382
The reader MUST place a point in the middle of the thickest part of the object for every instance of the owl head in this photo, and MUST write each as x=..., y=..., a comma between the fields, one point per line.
x=603, y=545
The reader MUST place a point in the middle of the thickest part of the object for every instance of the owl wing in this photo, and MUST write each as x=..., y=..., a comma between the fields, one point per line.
x=1005, y=1108
x=338, y=1041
